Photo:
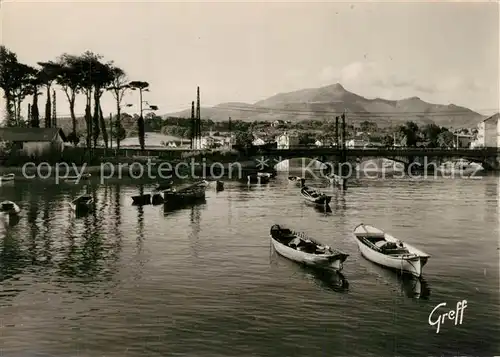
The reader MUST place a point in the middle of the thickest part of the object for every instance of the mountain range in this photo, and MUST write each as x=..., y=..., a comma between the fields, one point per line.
x=330, y=101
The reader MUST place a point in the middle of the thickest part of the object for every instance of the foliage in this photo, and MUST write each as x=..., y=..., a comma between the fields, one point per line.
x=243, y=139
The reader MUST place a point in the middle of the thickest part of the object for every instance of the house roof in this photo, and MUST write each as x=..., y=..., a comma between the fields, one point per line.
x=30, y=134
x=493, y=117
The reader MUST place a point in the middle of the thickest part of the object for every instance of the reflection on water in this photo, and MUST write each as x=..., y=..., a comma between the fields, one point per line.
x=127, y=280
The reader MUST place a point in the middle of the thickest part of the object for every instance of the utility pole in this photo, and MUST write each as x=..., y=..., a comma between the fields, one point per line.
x=193, y=127
x=230, y=135
x=198, y=118
x=337, y=132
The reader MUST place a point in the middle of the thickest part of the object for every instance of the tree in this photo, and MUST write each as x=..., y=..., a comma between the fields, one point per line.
x=445, y=139
x=102, y=78
x=70, y=80
x=410, y=133
x=8, y=61
x=119, y=85
x=243, y=139
x=48, y=74
x=141, y=86
x=431, y=133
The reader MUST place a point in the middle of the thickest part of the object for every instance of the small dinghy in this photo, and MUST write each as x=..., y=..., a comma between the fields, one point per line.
x=297, y=247
x=7, y=178
x=9, y=207
x=258, y=178
x=77, y=178
x=83, y=202
x=314, y=196
x=219, y=186
x=385, y=250
x=141, y=200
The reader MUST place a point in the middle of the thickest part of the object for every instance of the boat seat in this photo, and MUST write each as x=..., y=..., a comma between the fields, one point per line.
x=397, y=251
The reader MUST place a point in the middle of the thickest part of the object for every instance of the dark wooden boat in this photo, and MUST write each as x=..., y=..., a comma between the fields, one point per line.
x=9, y=208
x=157, y=199
x=314, y=196
x=186, y=195
x=83, y=202
x=141, y=200
x=219, y=186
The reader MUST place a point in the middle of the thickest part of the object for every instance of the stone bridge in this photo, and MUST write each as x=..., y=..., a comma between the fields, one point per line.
x=488, y=157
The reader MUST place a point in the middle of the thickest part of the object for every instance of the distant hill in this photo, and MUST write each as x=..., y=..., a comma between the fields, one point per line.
x=327, y=102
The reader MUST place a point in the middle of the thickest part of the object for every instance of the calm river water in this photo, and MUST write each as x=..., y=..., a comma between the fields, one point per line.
x=203, y=281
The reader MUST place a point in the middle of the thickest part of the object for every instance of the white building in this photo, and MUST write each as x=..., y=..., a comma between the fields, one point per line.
x=354, y=143
x=287, y=141
x=258, y=142
x=488, y=133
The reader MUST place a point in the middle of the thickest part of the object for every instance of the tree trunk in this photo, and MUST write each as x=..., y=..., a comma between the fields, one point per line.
x=103, y=127
x=48, y=109
x=88, y=118
x=140, y=131
x=117, y=126
x=10, y=115
x=95, y=122
x=72, y=113
x=35, y=115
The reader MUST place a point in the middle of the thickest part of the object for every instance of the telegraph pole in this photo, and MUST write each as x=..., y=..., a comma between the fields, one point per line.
x=337, y=132
x=193, y=127
x=230, y=135
x=198, y=119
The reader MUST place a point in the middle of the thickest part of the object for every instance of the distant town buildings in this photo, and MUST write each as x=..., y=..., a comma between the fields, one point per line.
x=488, y=133
x=287, y=141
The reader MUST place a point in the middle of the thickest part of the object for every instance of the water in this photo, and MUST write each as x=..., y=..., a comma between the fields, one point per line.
x=203, y=281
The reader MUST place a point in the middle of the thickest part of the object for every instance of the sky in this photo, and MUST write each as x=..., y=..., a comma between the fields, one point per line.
x=442, y=52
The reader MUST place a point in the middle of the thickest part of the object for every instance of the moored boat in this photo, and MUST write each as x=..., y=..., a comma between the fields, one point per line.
x=219, y=186
x=82, y=202
x=7, y=178
x=314, y=196
x=302, y=249
x=460, y=167
x=141, y=200
x=9, y=207
x=385, y=250
x=186, y=195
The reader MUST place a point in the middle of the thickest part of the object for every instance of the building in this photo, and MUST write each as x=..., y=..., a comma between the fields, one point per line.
x=287, y=141
x=355, y=143
x=33, y=141
x=463, y=140
x=488, y=133
x=258, y=142
x=318, y=143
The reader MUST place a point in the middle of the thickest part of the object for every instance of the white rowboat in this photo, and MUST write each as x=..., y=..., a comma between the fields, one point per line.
x=385, y=250
x=9, y=207
x=297, y=247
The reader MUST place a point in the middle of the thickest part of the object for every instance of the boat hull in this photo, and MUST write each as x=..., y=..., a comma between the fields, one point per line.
x=334, y=261
x=409, y=265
